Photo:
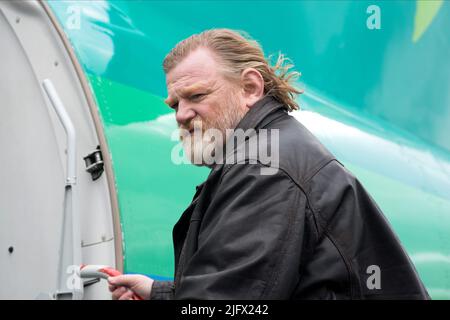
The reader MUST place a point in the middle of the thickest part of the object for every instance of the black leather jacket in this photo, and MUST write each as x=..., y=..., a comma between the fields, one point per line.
x=310, y=231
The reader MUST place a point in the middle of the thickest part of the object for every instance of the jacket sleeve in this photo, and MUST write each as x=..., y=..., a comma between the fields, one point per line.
x=250, y=239
x=364, y=236
x=162, y=290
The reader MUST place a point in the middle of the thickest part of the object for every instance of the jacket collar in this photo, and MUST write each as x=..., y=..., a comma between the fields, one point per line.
x=258, y=112
x=255, y=118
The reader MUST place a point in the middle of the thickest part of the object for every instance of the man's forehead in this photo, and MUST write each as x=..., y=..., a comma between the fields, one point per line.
x=199, y=64
x=189, y=82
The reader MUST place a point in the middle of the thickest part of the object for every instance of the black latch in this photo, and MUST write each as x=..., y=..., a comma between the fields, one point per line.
x=94, y=163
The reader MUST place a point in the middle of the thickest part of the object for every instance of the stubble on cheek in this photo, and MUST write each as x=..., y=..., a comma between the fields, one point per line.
x=197, y=135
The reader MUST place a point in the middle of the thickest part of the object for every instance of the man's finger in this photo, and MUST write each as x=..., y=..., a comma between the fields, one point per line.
x=122, y=280
x=112, y=288
x=127, y=296
x=119, y=292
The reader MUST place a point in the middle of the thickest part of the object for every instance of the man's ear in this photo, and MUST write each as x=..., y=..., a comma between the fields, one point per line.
x=252, y=85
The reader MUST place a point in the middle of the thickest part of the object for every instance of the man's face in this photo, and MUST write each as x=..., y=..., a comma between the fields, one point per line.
x=203, y=100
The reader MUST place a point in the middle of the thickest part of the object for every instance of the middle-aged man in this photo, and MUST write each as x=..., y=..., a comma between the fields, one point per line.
x=298, y=227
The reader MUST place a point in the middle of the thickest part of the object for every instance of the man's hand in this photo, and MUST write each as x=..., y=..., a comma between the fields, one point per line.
x=123, y=287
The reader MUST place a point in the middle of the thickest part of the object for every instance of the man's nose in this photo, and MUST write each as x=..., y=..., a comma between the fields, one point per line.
x=184, y=113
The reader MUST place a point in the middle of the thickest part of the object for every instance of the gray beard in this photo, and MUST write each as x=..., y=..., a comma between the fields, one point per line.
x=205, y=147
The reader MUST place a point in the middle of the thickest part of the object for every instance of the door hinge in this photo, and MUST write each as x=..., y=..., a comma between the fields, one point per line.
x=94, y=163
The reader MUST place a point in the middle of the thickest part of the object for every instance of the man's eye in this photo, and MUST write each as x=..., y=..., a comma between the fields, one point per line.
x=197, y=96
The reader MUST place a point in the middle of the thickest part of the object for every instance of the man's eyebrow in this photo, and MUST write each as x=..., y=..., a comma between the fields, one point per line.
x=186, y=91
